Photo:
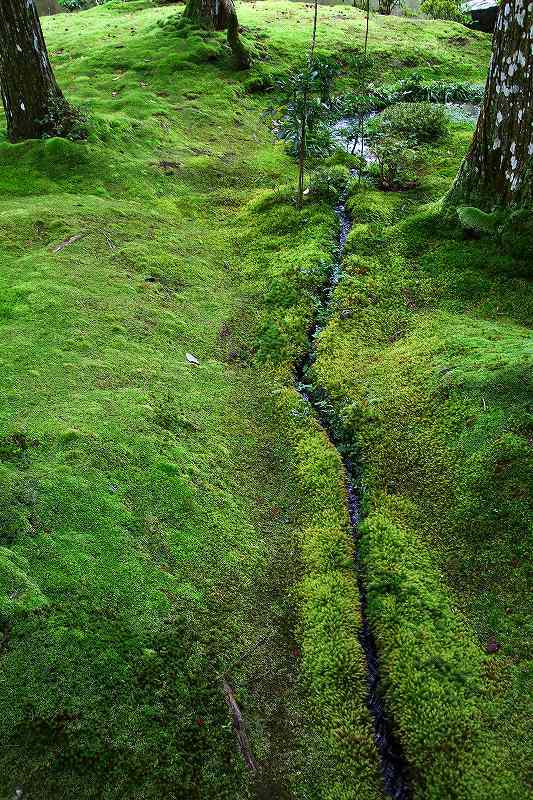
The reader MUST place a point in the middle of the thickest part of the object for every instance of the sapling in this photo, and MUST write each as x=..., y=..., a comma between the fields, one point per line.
x=305, y=98
x=306, y=119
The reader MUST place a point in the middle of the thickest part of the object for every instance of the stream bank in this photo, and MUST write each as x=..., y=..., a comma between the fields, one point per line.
x=392, y=762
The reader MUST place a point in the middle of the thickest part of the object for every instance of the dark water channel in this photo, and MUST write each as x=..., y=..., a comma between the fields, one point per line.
x=393, y=766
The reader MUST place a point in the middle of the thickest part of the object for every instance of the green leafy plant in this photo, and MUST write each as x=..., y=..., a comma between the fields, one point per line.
x=79, y=5
x=444, y=9
x=418, y=122
x=393, y=160
x=318, y=139
x=417, y=89
x=326, y=71
x=329, y=182
x=306, y=116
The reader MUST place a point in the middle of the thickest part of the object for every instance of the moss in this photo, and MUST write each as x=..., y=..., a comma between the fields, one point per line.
x=161, y=519
x=517, y=235
x=367, y=206
x=429, y=375
x=476, y=220
x=341, y=760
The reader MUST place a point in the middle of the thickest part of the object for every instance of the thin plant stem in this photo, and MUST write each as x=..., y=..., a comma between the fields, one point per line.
x=362, y=117
x=313, y=40
x=303, y=130
x=367, y=19
x=301, y=159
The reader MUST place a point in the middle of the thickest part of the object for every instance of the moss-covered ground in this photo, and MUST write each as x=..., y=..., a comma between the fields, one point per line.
x=164, y=522
x=427, y=362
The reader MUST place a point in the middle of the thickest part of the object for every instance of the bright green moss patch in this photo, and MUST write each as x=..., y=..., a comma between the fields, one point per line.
x=340, y=734
x=433, y=669
x=427, y=359
x=283, y=278
x=285, y=270
x=136, y=534
x=158, y=520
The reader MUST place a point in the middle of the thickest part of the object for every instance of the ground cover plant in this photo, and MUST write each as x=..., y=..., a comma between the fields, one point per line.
x=428, y=361
x=172, y=514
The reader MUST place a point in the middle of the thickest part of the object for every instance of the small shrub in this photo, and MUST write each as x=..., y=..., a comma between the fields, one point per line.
x=444, y=9
x=416, y=89
x=329, y=182
x=319, y=140
x=394, y=164
x=414, y=122
x=325, y=72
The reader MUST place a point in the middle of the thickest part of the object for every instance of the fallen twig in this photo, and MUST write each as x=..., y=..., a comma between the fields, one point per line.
x=66, y=242
x=238, y=726
x=109, y=240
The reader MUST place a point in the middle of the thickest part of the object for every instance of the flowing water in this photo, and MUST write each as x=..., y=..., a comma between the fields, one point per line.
x=393, y=766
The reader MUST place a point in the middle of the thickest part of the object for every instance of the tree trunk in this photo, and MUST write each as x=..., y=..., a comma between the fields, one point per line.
x=497, y=169
x=33, y=101
x=219, y=15
x=209, y=14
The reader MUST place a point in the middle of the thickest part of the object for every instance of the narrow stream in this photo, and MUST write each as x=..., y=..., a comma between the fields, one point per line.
x=393, y=766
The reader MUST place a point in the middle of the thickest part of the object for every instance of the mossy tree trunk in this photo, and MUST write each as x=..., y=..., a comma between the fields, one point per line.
x=219, y=15
x=497, y=169
x=33, y=102
x=210, y=14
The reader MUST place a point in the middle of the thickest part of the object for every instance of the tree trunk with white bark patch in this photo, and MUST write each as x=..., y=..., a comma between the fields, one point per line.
x=498, y=170
x=33, y=102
